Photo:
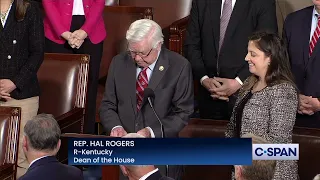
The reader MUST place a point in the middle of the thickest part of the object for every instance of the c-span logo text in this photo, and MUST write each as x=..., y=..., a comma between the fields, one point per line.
x=275, y=151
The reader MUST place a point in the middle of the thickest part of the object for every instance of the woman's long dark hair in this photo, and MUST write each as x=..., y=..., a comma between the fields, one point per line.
x=21, y=9
x=279, y=70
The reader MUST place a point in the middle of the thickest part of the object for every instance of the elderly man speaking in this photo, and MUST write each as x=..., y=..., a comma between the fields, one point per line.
x=147, y=64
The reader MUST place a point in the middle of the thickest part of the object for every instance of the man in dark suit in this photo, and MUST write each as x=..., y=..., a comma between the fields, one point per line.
x=147, y=64
x=41, y=143
x=301, y=32
x=216, y=45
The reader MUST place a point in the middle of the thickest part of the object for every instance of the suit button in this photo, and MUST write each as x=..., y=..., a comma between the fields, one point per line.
x=68, y=4
x=137, y=124
x=14, y=41
x=87, y=6
x=9, y=57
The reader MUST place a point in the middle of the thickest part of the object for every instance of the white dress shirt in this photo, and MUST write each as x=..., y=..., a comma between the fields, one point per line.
x=149, y=74
x=148, y=174
x=237, y=78
x=77, y=7
x=314, y=22
x=37, y=160
x=233, y=3
x=5, y=19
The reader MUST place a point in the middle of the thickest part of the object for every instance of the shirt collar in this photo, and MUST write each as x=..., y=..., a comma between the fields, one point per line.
x=37, y=160
x=151, y=67
x=315, y=12
x=148, y=174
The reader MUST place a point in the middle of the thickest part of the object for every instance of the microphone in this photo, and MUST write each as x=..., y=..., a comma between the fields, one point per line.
x=149, y=96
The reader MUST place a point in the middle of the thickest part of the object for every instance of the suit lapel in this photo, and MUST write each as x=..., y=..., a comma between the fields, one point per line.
x=215, y=13
x=237, y=13
x=305, y=35
x=159, y=70
x=131, y=83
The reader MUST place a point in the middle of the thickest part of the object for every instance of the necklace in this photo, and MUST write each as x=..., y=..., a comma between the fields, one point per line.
x=3, y=15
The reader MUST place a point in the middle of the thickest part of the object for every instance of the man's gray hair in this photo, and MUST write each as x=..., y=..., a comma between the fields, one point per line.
x=317, y=177
x=142, y=29
x=43, y=132
x=134, y=135
x=260, y=169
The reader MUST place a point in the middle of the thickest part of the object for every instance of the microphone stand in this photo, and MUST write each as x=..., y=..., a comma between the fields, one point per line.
x=162, y=128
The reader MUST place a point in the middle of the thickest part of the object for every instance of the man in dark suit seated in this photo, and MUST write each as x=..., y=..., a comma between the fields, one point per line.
x=41, y=143
x=142, y=172
x=147, y=64
x=260, y=169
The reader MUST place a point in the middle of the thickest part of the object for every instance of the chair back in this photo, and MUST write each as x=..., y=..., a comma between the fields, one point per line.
x=10, y=118
x=63, y=82
x=309, y=148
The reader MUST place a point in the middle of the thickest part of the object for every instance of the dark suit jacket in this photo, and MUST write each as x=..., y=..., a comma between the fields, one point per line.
x=173, y=90
x=21, y=51
x=158, y=176
x=306, y=70
x=203, y=33
x=49, y=168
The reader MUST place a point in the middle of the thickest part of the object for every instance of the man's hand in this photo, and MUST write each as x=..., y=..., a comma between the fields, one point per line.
x=118, y=132
x=66, y=35
x=7, y=86
x=145, y=132
x=308, y=105
x=211, y=83
x=228, y=87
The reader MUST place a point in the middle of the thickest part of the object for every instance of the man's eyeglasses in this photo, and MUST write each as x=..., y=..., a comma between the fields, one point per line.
x=134, y=54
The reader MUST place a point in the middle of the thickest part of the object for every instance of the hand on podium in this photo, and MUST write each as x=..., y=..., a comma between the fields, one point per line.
x=145, y=132
x=118, y=132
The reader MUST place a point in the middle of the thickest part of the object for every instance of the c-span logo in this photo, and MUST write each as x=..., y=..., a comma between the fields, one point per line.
x=275, y=151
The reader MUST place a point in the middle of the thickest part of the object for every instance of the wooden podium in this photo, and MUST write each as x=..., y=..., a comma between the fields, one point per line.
x=110, y=172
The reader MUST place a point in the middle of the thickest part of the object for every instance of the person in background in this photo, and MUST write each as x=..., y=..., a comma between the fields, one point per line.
x=268, y=100
x=317, y=177
x=301, y=33
x=77, y=27
x=41, y=142
x=141, y=172
x=260, y=169
x=215, y=45
x=21, y=54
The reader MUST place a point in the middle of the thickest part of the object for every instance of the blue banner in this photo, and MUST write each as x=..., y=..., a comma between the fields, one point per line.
x=160, y=151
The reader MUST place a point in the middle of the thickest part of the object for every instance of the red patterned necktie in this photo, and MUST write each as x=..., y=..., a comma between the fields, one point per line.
x=314, y=38
x=141, y=84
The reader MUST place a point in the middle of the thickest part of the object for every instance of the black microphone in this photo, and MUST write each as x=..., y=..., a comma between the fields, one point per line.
x=149, y=96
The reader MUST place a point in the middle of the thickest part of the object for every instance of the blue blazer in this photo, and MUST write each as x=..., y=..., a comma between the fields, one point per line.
x=49, y=168
x=306, y=70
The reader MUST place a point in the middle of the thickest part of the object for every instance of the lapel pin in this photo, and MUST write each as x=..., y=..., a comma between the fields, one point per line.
x=161, y=68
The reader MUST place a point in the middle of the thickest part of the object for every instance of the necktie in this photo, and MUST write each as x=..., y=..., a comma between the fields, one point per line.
x=314, y=38
x=224, y=20
x=141, y=84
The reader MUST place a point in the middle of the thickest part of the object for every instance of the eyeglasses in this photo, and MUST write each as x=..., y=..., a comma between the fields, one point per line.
x=134, y=54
